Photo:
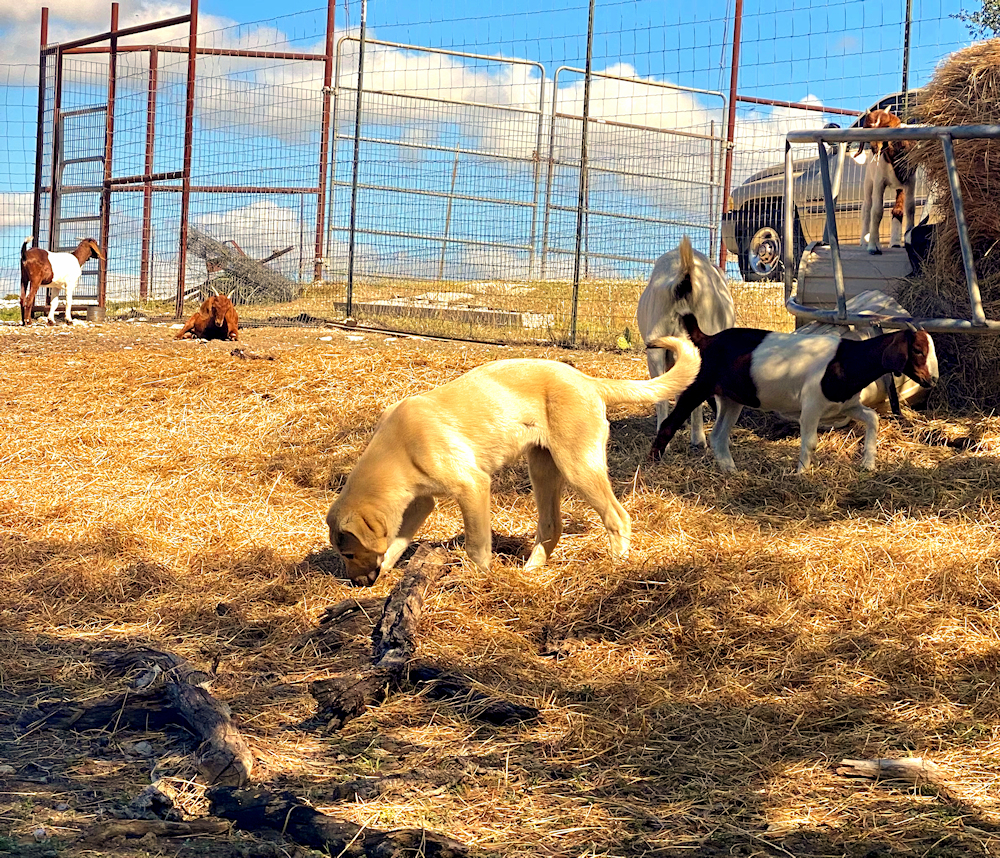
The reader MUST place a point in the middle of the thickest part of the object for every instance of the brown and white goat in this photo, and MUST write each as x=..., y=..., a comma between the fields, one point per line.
x=55, y=271
x=812, y=379
x=683, y=281
x=215, y=319
x=888, y=167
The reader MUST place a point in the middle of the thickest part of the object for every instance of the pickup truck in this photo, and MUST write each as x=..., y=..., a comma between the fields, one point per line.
x=752, y=226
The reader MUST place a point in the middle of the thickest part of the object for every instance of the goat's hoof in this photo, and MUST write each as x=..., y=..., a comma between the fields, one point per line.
x=874, y=251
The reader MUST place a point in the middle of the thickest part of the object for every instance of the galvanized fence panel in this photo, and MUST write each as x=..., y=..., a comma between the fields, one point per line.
x=469, y=143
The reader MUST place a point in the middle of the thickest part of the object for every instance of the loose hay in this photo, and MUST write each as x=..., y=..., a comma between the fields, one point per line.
x=965, y=90
x=766, y=627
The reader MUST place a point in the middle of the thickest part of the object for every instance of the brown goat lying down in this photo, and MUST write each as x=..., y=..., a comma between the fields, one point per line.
x=215, y=319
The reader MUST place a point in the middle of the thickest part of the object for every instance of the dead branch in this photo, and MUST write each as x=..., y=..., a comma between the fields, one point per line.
x=254, y=810
x=223, y=756
x=911, y=769
x=393, y=638
x=132, y=828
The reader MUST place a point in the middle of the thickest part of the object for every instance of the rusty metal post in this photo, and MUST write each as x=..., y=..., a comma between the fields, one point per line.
x=147, y=180
x=56, y=148
x=353, y=216
x=36, y=208
x=734, y=74
x=109, y=149
x=324, y=141
x=188, y=148
x=582, y=194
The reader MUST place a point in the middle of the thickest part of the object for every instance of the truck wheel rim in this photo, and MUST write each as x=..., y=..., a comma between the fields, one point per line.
x=765, y=250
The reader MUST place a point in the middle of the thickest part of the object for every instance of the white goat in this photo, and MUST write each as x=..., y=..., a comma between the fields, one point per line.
x=683, y=281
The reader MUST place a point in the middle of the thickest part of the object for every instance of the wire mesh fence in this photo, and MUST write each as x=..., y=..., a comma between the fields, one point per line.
x=456, y=195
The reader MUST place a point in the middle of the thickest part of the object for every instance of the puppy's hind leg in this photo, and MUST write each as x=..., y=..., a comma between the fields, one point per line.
x=474, y=501
x=586, y=470
x=414, y=516
x=546, y=483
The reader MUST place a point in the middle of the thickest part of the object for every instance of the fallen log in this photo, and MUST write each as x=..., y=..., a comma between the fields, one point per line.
x=344, y=697
x=442, y=685
x=223, y=756
x=136, y=828
x=393, y=641
x=259, y=809
x=911, y=769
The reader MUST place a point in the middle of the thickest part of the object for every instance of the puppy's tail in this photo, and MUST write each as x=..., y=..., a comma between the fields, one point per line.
x=670, y=385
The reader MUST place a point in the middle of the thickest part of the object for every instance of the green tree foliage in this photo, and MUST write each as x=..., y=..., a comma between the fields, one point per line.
x=984, y=23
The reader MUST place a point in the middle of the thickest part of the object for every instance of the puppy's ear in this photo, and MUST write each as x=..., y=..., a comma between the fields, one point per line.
x=370, y=527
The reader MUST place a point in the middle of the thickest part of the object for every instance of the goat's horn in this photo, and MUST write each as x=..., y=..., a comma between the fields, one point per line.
x=215, y=291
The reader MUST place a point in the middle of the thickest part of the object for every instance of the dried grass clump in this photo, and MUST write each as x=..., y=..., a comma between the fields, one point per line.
x=965, y=90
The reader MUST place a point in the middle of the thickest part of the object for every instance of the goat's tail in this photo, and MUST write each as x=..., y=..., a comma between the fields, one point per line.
x=685, y=284
x=670, y=385
x=24, y=247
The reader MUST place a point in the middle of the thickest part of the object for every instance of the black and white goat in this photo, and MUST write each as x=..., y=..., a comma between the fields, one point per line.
x=54, y=271
x=812, y=379
x=683, y=281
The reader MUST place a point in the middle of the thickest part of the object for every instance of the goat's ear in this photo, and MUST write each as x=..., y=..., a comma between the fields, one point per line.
x=895, y=356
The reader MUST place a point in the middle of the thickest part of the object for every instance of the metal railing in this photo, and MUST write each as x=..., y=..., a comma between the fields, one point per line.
x=946, y=135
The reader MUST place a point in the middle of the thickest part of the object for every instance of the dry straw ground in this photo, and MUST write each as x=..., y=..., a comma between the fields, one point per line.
x=766, y=626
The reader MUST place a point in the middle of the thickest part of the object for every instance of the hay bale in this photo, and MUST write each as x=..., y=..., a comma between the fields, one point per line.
x=965, y=90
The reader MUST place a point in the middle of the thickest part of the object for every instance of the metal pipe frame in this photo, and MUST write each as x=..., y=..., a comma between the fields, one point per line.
x=64, y=47
x=351, y=235
x=584, y=185
x=187, y=157
x=324, y=142
x=145, y=260
x=734, y=74
x=946, y=135
x=552, y=161
x=36, y=208
x=358, y=138
x=109, y=148
x=797, y=105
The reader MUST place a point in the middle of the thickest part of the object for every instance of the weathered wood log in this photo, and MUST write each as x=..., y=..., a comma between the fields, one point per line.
x=141, y=710
x=911, y=769
x=132, y=828
x=254, y=810
x=393, y=641
x=223, y=756
x=343, y=698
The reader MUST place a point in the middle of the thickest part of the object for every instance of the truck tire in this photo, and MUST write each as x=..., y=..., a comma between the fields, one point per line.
x=760, y=240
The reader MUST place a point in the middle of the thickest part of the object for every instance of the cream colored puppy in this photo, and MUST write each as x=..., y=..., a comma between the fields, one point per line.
x=449, y=441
